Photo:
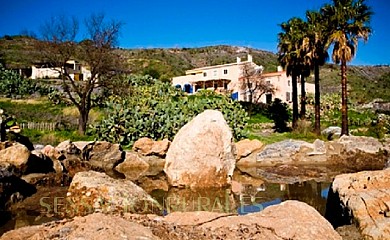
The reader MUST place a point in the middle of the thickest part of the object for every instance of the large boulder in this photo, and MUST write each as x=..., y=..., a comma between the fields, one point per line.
x=16, y=155
x=202, y=153
x=96, y=226
x=147, y=147
x=365, y=196
x=355, y=153
x=288, y=220
x=96, y=192
x=281, y=152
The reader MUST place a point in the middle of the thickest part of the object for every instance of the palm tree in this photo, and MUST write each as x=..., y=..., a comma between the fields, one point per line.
x=305, y=72
x=316, y=54
x=289, y=50
x=348, y=22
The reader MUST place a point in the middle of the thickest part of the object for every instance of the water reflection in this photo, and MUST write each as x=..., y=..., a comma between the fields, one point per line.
x=249, y=198
x=310, y=192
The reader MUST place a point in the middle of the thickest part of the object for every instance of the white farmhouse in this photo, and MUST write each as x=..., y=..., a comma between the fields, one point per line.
x=226, y=79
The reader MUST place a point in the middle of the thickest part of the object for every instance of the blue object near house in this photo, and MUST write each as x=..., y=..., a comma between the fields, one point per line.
x=234, y=96
x=188, y=88
x=178, y=86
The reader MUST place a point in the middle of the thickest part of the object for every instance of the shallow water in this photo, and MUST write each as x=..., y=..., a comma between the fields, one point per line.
x=250, y=199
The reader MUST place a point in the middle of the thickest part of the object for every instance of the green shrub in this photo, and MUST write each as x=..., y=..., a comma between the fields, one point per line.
x=280, y=114
x=158, y=110
x=13, y=85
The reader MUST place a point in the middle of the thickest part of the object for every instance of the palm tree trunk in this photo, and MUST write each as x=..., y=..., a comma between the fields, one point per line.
x=303, y=98
x=317, y=103
x=294, y=100
x=344, y=99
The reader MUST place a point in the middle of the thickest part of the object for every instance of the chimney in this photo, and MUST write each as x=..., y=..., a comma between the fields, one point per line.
x=250, y=58
x=238, y=59
x=280, y=69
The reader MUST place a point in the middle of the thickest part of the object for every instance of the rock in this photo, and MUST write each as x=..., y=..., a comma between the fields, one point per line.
x=202, y=153
x=96, y=192
x=96, y=226
x=103, y=155
x=52, y=152
x=39, y=163
x=16, y=155
x=246, y=147
x=133, y=167
x=147, y=147
x=288, y=220
x=357, y=153
x=319, y=148
x=150, y=184
x=12, y=188
x=361, y=143
x=82, y=145
x=281, y=152
x=366, y=196
x=38, y=147
x=67, y=147
x=332, y=132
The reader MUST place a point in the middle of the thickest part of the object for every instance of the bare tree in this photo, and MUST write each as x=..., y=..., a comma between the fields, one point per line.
x=253, y=83
x=59, y=46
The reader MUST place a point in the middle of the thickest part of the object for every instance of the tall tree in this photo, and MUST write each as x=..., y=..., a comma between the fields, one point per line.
x=59, y=46
x=305, y=72
x=316, y=54
x=348, y=22
x=290, y=56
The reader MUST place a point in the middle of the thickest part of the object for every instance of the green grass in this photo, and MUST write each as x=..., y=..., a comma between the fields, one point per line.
x=277, y=137
x=259, y=118
x=39, y=110
x=54, y=138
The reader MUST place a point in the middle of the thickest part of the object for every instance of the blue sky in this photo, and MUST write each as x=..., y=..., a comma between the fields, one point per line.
x=190, y=23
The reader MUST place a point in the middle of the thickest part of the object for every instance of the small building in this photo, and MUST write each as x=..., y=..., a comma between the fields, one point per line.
x=75, y=69
x=225, y=78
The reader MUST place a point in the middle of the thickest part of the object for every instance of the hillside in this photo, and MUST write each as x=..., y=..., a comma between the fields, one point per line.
x=174, y=61
x=365, y=82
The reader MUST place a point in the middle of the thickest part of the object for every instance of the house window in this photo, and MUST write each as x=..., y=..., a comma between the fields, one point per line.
x=288, y=83
x=225, y=71
x=288, y=97
x=205, y=74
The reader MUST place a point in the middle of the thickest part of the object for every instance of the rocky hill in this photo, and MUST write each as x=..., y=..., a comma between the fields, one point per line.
x=366, y=82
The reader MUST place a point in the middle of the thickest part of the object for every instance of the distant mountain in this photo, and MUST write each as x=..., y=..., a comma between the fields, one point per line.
x=365, y=82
